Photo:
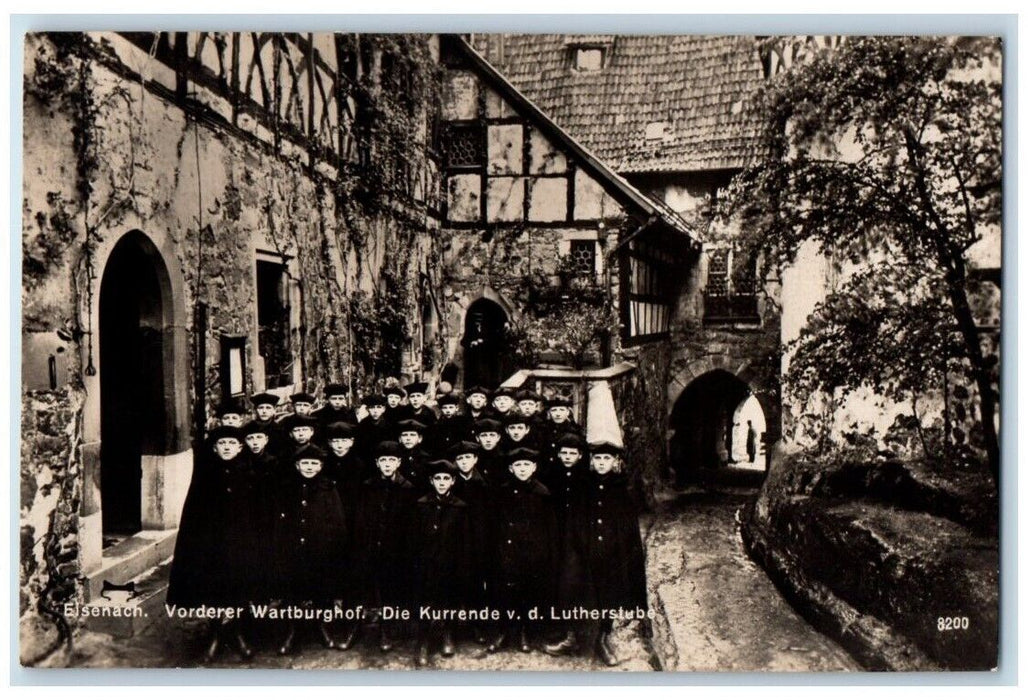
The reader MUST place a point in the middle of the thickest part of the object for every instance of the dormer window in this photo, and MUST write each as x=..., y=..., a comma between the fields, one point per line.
x=588, y=58
x=588, y=53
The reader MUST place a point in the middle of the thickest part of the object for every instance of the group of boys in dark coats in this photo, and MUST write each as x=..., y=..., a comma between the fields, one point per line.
x=489, y=505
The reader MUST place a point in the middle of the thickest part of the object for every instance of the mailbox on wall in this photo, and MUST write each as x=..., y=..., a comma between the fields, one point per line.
x=44, y=361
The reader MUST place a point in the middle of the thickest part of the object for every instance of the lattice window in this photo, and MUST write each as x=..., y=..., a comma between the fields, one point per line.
x=650, y=288
x=730, y=295
x=463, y=145
x=582, y=257
x=717, y=273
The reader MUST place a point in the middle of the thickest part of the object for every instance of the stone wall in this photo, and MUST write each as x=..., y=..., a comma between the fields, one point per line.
x=104, y=157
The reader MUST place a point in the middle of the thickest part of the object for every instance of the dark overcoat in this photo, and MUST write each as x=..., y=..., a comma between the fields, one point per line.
x=524, y=546
x=441, y=538
x=309, y=561
x=492, y=464
x=446, y=433
x=381, y=544
x=604, y=564
x=370, y=433
x=349, y=473
x=564, y=485
x=479, y=497
x=413, y=467
x=218, y=555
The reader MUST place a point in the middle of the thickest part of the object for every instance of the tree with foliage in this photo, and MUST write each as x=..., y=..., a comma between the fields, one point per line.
x=888, y=144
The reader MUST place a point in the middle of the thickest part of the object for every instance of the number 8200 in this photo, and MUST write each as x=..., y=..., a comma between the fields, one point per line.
x=952, y=623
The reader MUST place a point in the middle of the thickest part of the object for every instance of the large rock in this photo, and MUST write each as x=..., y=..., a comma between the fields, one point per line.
x=887, y=581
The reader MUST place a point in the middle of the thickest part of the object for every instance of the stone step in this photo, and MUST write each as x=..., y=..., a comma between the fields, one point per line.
x=129, y=559
x=121, y=616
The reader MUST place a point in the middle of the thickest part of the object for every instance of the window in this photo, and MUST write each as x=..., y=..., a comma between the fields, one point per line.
x=462, y=145
x=588, y=58
x=273, y=323
x=582, y=257
x=730, y=295
x=649, y=290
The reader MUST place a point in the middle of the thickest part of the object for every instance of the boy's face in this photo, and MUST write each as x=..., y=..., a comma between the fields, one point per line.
x=527, y=407
x=376, y=411
x=503, y=403
x=442, y=483
x=303, y=408
x=302, y=434
x=227, y=447
x=387, y=465
x=256, y=442
x=523, y=469
x=392, y=400
x=559, y=414
x=233, y=420
x=337, y=401
x=410, y=439
x=416, y=400
x=308, y=468
x=466, y=462
x=488, y=439
x=517, y=431
x=477, y=401
x=603, y=463
x=449, y=410
x=340, y=446
x=569, y=456
x=265, y=411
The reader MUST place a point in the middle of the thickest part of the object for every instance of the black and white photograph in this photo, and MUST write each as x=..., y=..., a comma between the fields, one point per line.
x=510, y=351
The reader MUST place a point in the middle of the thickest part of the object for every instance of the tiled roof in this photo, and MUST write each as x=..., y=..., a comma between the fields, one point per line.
x=656, y=209
x=692, y=95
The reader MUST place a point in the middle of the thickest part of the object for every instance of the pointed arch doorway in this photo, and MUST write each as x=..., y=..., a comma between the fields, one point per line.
x=487, y=360
x=135, y=356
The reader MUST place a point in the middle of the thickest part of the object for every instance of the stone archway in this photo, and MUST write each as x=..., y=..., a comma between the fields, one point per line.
x=136, y=428
x=701, y=423
x=486, y=360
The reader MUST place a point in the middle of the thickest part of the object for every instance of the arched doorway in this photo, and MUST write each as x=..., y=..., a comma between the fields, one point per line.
x=703, y=423
x=748, y=429
x=486, y=358
x=135, y=351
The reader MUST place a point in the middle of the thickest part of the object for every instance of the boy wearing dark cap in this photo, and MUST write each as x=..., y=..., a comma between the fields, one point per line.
x=218, y=558
x=525, y=549
x=503, y=402
x=395, y=410
x=477, y=401
x=417, y=394
x=565, y=476
x=491, y=460
x=451, y=428
x=302, y=404
x=231, y=413
x=264, y=417
x=335, y=409
x=381, y=539
x=301, y=433
x=441, y=560
x=344, y=466
x=309, y=542
x=472, y=488
x=374, y=428
x=518, y=433
x=410, y=433
x=604, y=566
